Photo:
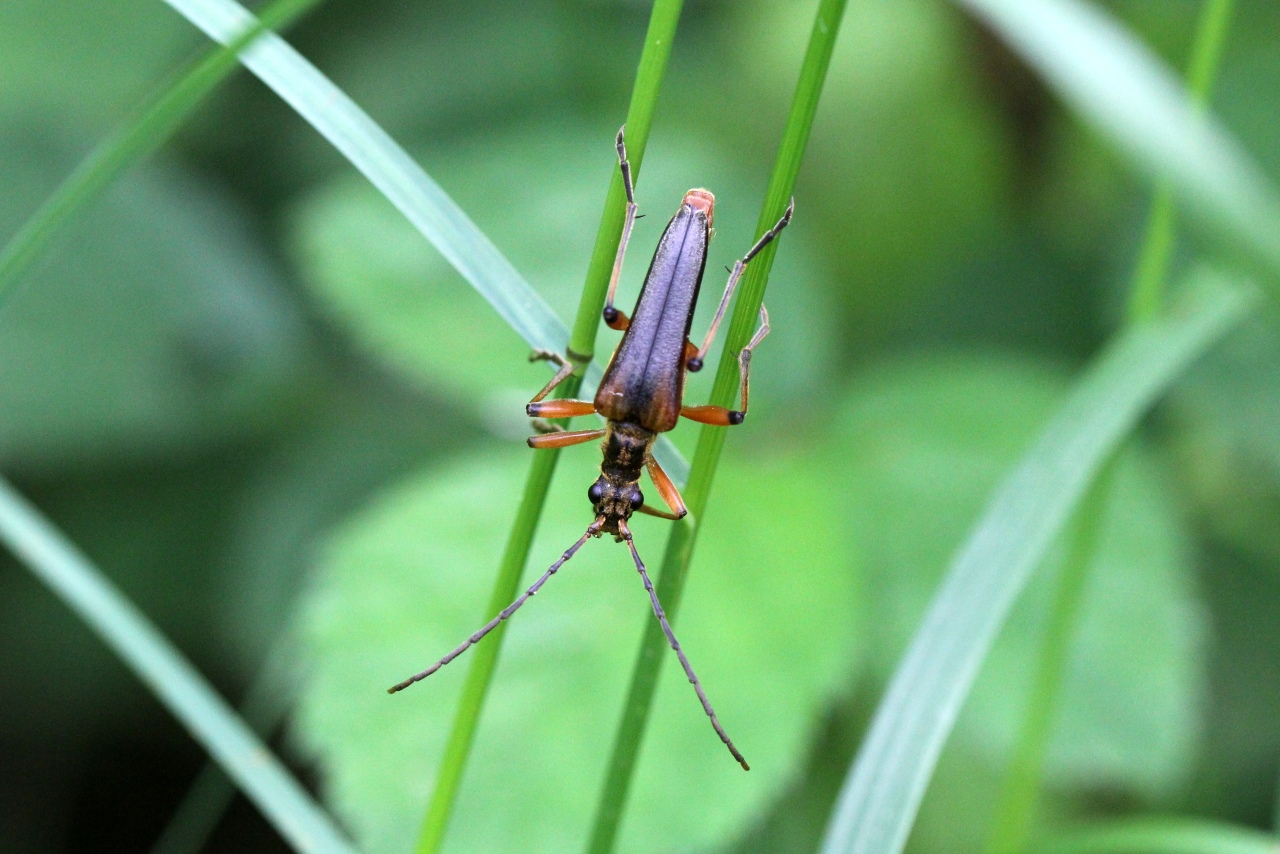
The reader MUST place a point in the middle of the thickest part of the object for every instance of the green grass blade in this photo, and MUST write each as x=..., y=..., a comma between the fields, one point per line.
x=155, y=123
x=1162, y=836
x=644, y=96
x=679, y=551
x=1146, y=294
x=132, y=637
x=1017, y=806
x=390, y=168
x=264, y=708
x=882, y=793
x=1123, y=90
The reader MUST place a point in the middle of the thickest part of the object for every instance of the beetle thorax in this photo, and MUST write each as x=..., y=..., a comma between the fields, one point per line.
x=616, y=493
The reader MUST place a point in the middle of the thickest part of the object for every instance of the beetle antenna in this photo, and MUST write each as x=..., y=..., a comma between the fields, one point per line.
x=592, y=530
x=675, y=644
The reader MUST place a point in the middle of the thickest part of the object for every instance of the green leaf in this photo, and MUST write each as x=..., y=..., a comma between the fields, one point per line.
x=1161, y=836
x=882, y=794
x=136, y=138
x=84, y=62
x=1124, y=91
x=71, y=577
x=164, y=326
x=908, y=136
x=766, y=625
x=932, y=438
x=1226, y=420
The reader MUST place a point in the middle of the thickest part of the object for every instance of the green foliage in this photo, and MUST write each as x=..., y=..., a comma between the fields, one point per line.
x=1162, y=836
x=185, y=348
x=405, y=581
x=1229, y=439
x=82, y=587
x=1025, y=514
x=933, y=439
x=163, y=399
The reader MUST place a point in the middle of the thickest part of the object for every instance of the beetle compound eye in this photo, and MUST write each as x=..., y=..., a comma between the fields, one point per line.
x=637, y=499
x=596, y=492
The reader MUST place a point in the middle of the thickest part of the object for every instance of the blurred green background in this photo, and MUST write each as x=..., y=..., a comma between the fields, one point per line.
x=260, y=400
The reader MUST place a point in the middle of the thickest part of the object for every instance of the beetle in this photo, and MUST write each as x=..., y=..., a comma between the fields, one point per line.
x=641, y=396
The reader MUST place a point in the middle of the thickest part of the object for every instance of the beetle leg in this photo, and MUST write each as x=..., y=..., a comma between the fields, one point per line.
x=564, y=438
x=614, y=318
x=560, y=408
x=718, y=415
x=617, y=319
x=564, y=369
x=734, y=277
x=667, y=490
x=661, y=514
x=691, y=360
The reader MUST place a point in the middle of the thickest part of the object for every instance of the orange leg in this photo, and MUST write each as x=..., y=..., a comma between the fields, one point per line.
x=719, y=416
x=667, y=490
x=565, y=368
x=563, y=439
x=692, y=360
x=560, y=408
x=616, y=319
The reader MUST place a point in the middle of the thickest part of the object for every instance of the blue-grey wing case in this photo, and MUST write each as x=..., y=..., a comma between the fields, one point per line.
x=644, y=382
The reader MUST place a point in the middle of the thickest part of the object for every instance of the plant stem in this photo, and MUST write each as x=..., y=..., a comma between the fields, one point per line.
x=1146, y=295
x=679, y=551
x=157, y=120
x=652, y=67
x=1016, y=814
x=1016, y=811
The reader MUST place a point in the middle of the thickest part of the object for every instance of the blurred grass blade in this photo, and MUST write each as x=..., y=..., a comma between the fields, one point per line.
x=882, y=793
x=1125, y=91
x=1162, y=836
x=264, y=708
x=79, y=584
x=154, y=124
x=390, y=168
x=1017, y=806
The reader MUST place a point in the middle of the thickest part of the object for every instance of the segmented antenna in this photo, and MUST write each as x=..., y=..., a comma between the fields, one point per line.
x=675, y=644
x=506, y=612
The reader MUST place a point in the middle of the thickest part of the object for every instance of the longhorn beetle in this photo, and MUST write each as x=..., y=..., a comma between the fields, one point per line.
x=641, y=396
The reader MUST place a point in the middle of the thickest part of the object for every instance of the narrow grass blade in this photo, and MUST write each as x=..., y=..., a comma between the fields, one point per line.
x=878, y=803
x=1016, y=812
x=265, y=707
x=1015, y=815
x=390, y=168
x=1147, y=289
x=84, y=589
x=154, y=124
x=1122, y=89
x=1162, y=836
